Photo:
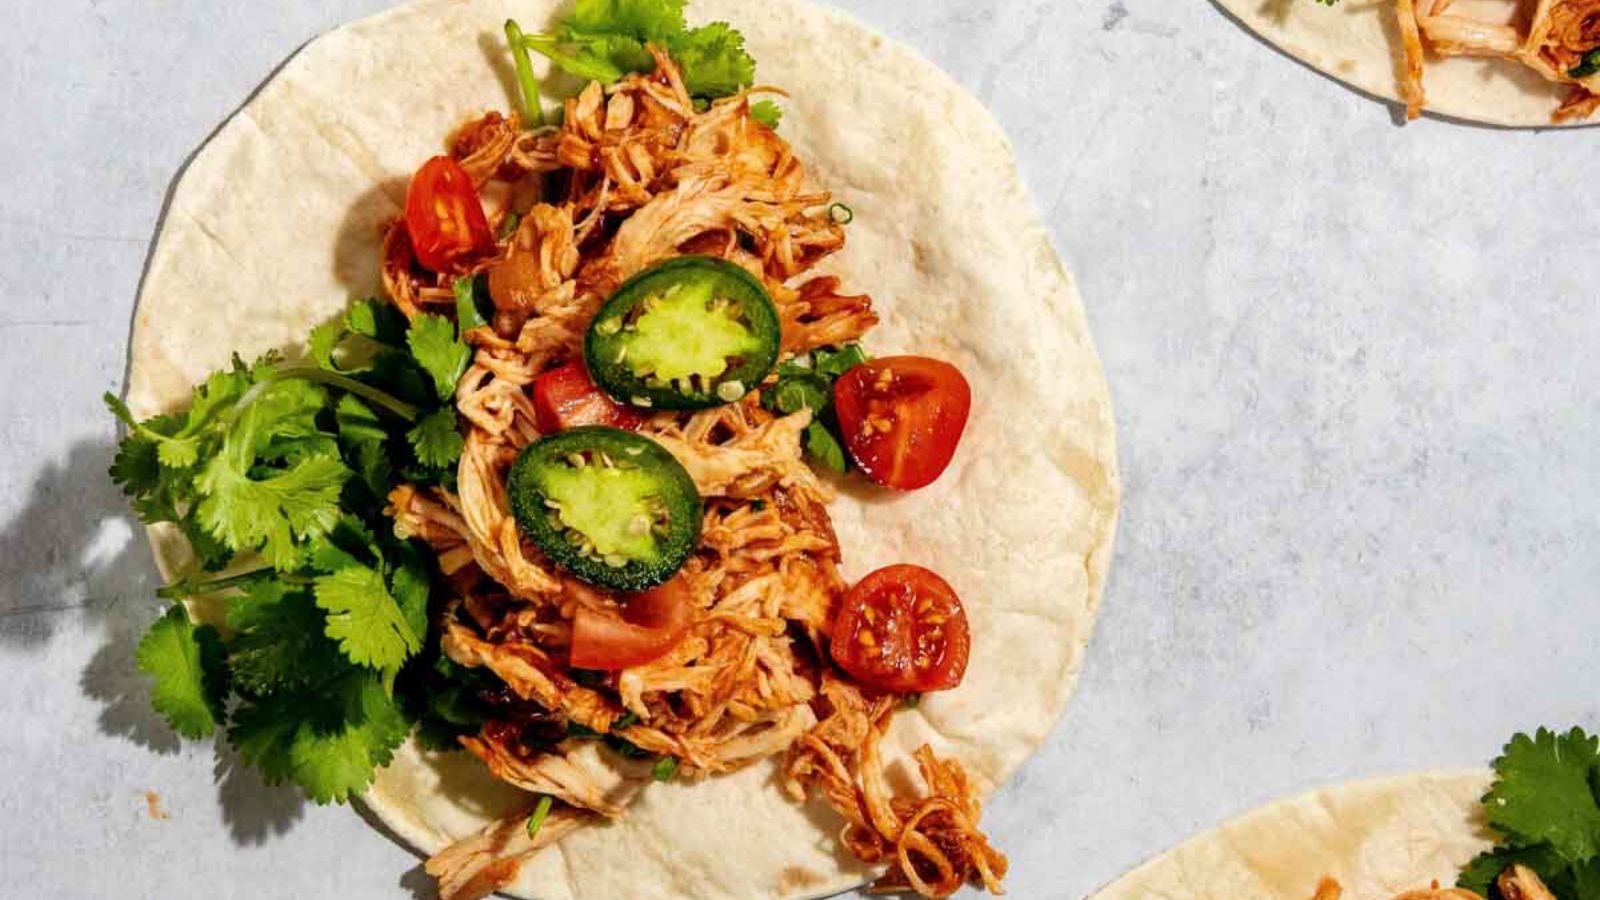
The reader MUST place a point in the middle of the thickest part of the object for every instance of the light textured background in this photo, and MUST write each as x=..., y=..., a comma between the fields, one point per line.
x=1352, y=365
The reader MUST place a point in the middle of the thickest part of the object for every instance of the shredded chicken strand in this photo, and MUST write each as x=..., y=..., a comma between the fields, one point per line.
x=932, y=844
x=482, y=863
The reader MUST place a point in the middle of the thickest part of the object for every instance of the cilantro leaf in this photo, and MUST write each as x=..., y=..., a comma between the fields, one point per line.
x=823, y=448
x=411, y=585
x=220, y=390
x=807, y=382
x=348, y=543
x=474, y=306
x=136, y=469
x=604, y=40
x=365, y=619
x=806, y=391
x=186, y=662
x=262, y=462
x=210, y=553
x=441, y=354
x=328, y=739
x=654, y=20
x=835, y=362
x=446, y=699
x=713, y=60
x=373, y=318
x=268, y=514
x=767, y=113
x=278, y=640
x=1478, y=874
x=323, y=341
x=436, y=439
x=1582, y=882
x=373, y=470
x=357, y=422
x=1541, y=793
x=605, y=58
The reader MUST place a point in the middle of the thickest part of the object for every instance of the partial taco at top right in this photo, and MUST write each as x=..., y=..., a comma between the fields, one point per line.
x=1528, y=830
x=1502, y=62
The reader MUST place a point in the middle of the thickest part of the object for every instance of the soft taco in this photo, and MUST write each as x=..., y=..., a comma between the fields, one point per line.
x=1503, y=62
x=1525, y=830
x=594, y=553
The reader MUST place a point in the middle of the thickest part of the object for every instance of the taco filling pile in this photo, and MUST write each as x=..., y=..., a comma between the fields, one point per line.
x=561, y=498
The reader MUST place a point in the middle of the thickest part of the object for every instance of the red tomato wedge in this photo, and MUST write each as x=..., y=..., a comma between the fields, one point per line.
x=444, y=215
x=652, y=623
x=903, y=629
x=902, y=417
x=565, y=397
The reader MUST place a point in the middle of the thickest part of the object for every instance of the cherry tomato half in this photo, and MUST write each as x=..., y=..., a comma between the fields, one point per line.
x=565, y=397
x=651, y=624
x=902, y=417
x=902, y=628
x=444, y=215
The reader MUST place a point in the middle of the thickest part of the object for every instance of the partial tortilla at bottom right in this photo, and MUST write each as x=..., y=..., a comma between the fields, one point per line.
x=1377, y=838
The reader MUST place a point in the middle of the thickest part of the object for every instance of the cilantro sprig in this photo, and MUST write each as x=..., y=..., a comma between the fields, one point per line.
x=806, y=381
x=605, y=40
x=278, y=474
x=1543, y=805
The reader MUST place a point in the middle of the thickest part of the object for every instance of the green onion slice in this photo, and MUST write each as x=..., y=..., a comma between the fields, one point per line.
x=665, y=768
x=540, y=812
x=532, y=112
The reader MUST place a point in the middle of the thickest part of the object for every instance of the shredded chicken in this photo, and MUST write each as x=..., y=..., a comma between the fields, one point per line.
x=1517, y=882
x=931, y=844
x=645, y=177
x=1552, y=39
x=479, y=865
x=577, y=775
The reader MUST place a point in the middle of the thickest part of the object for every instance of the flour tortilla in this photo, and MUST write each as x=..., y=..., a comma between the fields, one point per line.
x=276, y=224
x=1358, y=43
x=1377, y=838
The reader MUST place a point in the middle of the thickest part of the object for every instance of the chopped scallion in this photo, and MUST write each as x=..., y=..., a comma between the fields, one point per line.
x=540, y=812
x=1589, y=65
x=532, y=111
x=508, y=226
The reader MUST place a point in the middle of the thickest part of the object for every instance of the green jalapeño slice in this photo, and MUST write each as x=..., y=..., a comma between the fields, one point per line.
x=688, y=333
x=612, y=507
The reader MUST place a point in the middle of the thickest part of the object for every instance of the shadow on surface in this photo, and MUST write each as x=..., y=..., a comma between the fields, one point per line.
x=415, y=881
x=77, y=546
x=253, y=809
x=73, y=547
